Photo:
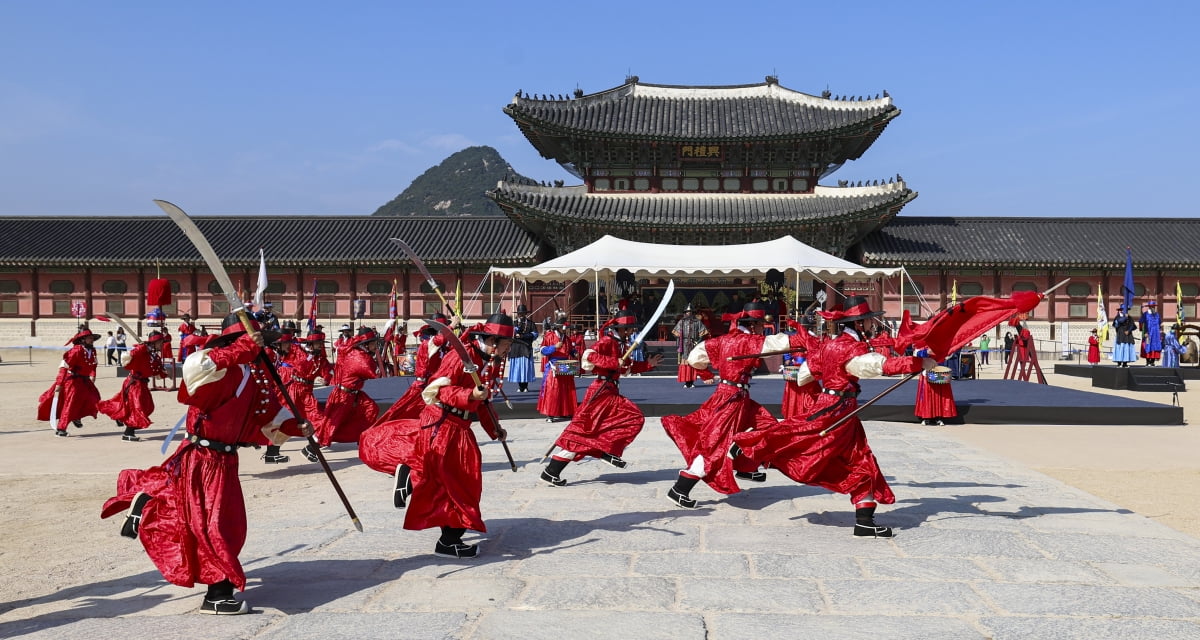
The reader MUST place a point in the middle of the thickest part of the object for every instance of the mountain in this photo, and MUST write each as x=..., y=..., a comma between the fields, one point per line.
x=455, y=187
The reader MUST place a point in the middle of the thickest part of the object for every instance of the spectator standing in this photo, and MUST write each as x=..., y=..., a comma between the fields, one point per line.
x=120, y=337
x=985, y=343
x=110, y=349
x=1008, y=345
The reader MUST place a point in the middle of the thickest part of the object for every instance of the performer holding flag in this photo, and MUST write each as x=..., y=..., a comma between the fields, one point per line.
x=812, y=449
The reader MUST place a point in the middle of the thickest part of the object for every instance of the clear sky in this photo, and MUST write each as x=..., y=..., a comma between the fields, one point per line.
x=1009, y=108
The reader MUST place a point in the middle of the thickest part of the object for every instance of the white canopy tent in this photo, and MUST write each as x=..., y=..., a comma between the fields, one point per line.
x=604, y=257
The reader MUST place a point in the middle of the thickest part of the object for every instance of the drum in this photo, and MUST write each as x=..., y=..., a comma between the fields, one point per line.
x=408, y=366
x=791, y=374
x=938, y=375
x=566, y=368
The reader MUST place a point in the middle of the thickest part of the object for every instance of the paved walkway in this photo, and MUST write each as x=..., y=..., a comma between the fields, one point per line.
x=985, y=549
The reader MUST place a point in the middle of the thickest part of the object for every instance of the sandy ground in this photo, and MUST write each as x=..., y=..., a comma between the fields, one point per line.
x=51, y=489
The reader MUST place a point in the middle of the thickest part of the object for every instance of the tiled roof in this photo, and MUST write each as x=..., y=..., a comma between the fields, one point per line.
x=1166, y=243
x=738, y=113
x=574, y=205
x=286, y=241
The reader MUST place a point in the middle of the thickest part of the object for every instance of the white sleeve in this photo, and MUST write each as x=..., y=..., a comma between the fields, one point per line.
x=776, y=342
x=868, y=365
x=199, y=370
x=585, y=361
x=430, y=392
x=698, y=358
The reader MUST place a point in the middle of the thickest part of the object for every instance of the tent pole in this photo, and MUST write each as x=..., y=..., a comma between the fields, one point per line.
x=597, y=277
x=903, y=275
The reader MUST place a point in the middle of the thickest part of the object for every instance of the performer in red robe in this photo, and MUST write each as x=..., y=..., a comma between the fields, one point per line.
x=166, y=350
x=133, y=404
x=704, y=436
x=189, y=512
x=1093, y=348
x=557, y=399
x=444, y=475
x=74, y=385
x=302, y=365
x=393, y=438
x=935, y=401
x=349, y=410
x=606, y=421
x=841, y=460
x=185, y=331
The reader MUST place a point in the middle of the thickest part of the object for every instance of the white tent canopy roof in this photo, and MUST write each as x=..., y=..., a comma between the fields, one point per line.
x=608, y=255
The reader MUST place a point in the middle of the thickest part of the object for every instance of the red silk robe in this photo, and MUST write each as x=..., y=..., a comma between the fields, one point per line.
x=410, y=403
x=841, y=460
x=606, y=421
x=133, y=404
x=557, y=396
x=349, y=410
x=194, y=525
x=446, y=462
x=934, y=400
x=79, y=397
x=708, y=431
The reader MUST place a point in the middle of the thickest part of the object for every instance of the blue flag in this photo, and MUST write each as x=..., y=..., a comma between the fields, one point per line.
x=1127, y=287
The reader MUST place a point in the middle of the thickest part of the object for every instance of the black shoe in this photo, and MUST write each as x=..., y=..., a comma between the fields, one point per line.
x=401, y=486
x=78, y=424
x=752, y=476
x=614, y=460
x=120, y=424
x=940, y=423
x=872, y=531
x=129, y=437
x=62, y=433
x=275, y=459
x=227, y=607
x=680, y=499
x=308, y=453
x=522, y=387
x=129, y=528
x=560, y=419
x=552, y=479
x=687, y=385
x=456, y=550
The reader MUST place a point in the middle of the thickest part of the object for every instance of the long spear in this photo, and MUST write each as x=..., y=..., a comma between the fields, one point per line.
x=189, y=228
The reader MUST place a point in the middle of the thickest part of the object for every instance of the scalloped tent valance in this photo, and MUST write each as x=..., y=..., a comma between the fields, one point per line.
x=608, y=255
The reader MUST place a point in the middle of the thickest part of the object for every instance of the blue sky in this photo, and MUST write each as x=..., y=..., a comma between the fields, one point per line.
x=1009, y=109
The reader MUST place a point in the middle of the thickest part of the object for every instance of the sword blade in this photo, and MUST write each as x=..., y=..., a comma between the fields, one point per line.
x=189, y=228
x=662, y=306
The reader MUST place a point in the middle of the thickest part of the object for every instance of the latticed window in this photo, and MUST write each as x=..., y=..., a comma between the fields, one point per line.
x=327, y=287
x=9, y=287
x=1078, y=310
x=62, y=287
x=1024, y=286
x=379, y=287
x=1079, y=289
x=114, y=286
x=115, y=305
x=969, y=289
x=276, y=287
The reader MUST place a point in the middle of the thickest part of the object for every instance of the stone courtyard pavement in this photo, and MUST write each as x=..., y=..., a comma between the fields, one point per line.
x=985, y=549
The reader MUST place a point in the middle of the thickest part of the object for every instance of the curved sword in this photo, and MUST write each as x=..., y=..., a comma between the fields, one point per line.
x=412, y=255
x=662, y=306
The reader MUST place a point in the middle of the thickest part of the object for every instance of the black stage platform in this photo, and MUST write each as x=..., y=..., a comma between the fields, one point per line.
x=1135, y=378
x=978, y=401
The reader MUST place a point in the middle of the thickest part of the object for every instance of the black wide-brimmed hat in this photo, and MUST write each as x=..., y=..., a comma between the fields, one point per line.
x=498, y=324
x=232, y=329
x=856, y=308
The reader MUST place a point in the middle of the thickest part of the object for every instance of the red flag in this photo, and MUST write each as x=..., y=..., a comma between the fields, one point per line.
x=957, y=325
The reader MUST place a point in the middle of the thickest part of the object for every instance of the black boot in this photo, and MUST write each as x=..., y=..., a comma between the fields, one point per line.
x=272, y=456
x=401, y=486
x=864, y=524
x=129, y=435
x=451, y=544
x=551, y=474
x=129, y=528
x=522, y=387
x=679, y=493
x=78, y=424
x=309, y=453
x=615, y=461
x=752, y=476
x=220, y=601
